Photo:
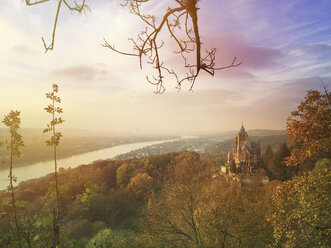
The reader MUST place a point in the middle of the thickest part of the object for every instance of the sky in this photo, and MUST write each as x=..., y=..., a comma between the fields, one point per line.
x=284, y=46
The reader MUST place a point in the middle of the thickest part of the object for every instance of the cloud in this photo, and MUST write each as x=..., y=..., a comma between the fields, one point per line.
x=201, y=99
x=23, y=50
x=275, y=105
x=228, y=46
x=232, y=45
x=319, y=48
x=82, y=73
x=315, y=51
x=236, y=73
x=288, y=94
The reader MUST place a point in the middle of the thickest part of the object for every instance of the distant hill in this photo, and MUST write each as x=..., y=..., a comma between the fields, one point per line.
x=254, y=132
x=39, y=132
x=264, y=132
x=213, y=145
x=223, y=147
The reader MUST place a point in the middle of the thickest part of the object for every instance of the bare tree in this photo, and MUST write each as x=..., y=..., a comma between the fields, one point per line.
x=181, y=24
x=184, y=16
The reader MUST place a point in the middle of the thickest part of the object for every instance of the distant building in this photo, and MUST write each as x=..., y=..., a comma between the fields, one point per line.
x=245, y=153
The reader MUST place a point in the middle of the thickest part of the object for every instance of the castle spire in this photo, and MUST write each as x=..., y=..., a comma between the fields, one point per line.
x=242, y=129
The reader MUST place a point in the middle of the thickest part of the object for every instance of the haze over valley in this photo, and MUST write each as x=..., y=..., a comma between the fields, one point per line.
x=165, y=124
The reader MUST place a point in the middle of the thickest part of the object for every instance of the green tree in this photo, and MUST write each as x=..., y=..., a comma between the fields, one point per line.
x=283, y=151
x=54, y=141
x=91, y=190
x=301, y=214
x=276, y=165
x=309, y=129
x=233, y=168
x=13, y=121
x=103, y=239
x=268, y=155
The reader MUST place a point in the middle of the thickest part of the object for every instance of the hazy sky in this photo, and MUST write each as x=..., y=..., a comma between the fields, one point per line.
x=284, y=45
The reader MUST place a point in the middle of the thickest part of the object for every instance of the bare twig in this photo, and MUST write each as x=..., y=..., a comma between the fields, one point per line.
x=147, y=45
x=326, y=91
x=77, y=7
x=35, y=2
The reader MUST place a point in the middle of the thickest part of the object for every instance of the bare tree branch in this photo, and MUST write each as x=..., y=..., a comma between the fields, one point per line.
x=34, y=3
x=78, y=7
x=146, y=45
x=326, y=91
x=178, y=21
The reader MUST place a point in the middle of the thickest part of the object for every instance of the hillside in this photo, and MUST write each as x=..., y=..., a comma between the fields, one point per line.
x=108, y=194
x=147, y=202
x=223, y=147
x=115, y=205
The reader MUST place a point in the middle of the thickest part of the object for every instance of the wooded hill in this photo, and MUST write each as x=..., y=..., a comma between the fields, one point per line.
x=169, y=200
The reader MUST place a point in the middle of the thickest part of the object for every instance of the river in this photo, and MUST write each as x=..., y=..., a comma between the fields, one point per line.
x=43, y=168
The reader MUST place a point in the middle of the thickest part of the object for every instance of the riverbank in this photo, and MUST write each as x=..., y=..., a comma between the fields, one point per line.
x=41, y=169
x=35, y=149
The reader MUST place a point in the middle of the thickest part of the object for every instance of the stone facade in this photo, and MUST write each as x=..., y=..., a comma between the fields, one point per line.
x=245, y=153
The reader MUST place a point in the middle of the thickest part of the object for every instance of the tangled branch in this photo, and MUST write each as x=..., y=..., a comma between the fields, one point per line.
x=147, y=45
x=179, y=21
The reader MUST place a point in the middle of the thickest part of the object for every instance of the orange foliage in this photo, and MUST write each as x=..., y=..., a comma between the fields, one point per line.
x=309, y=129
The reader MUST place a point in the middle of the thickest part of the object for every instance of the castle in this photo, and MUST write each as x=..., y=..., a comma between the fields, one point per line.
x=245, y=154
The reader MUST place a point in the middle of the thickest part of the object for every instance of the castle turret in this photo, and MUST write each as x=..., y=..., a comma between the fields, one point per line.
x=242, y=129
x=245, y=153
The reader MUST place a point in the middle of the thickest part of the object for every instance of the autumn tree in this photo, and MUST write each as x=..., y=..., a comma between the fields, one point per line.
x=199, y=211
x=234, y=216
x=54, y=110
x=179, y=21
x=172, y=219
x=301, y=214
x=309, y=129
x=123, y=174
x=140, y=185
x=13, y=121
x=220, y=160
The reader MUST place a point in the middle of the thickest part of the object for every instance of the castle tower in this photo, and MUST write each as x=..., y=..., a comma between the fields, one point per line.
x=245, y=153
